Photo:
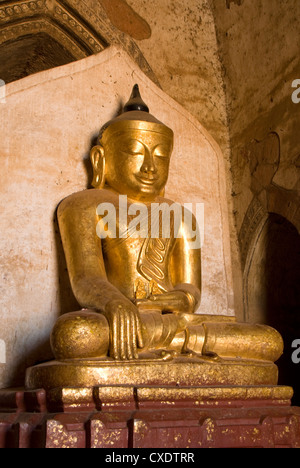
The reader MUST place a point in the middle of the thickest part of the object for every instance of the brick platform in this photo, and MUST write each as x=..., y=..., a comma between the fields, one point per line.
x=148, y=417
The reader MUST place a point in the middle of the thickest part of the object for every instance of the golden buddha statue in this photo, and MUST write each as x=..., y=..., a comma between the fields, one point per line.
x=139, y=289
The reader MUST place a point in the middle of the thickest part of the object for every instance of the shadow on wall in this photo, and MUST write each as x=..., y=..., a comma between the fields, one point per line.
x=66, y=299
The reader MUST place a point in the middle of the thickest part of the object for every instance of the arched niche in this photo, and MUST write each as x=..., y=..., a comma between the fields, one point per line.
x=271, y=287
x=37, y=35
x=31, y=54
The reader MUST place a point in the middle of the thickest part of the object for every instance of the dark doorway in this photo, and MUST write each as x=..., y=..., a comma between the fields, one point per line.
x=274, y=291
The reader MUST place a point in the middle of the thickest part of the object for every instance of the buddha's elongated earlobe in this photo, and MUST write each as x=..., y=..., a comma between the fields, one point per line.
x=98, y=163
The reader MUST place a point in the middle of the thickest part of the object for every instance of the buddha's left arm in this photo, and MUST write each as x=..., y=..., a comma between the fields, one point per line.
x=185, y=264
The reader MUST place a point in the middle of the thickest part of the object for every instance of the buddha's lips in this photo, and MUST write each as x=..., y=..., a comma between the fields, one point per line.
x=146, y=180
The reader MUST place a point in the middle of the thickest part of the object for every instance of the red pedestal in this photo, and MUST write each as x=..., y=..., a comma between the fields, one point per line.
x=91, y=418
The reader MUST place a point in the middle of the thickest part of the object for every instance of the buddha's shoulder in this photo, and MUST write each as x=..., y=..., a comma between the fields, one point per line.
x=85, y=200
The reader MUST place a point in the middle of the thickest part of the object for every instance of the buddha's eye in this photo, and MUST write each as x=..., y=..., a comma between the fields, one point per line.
x=161, y=151
x=133, y=148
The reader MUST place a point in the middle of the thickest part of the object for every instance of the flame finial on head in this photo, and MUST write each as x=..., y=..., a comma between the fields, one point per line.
x=135, y=102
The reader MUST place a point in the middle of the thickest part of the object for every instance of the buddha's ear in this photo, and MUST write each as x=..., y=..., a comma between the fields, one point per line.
x=98, y=163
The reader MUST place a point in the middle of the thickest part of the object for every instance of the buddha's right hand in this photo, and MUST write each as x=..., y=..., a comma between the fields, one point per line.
x=125, y=329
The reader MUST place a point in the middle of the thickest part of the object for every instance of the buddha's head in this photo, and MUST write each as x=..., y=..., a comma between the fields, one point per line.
x=133, y=152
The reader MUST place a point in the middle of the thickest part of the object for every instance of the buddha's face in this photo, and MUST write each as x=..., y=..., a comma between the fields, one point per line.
x=137, y=162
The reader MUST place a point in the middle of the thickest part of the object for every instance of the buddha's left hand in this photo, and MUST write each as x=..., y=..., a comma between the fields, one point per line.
x=173, y=301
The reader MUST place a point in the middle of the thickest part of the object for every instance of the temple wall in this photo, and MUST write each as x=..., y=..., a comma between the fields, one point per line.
x=259, y=52
x=49, y=122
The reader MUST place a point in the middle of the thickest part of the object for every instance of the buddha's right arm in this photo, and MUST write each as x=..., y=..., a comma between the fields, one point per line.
x=96, y=293
x=77, y=223
x=78, y=220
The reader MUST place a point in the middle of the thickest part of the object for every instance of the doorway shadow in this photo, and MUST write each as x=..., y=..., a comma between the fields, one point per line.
x=273, y=291
x=282, y=271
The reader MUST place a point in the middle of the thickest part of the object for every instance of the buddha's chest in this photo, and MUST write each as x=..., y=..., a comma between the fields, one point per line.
x=137, y=241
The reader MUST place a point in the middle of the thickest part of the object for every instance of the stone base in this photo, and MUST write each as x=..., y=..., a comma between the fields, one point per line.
x=149, y=417
x=162, y=370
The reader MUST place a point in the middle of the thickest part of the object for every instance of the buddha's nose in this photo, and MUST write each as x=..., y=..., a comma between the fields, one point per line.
x=148, y=166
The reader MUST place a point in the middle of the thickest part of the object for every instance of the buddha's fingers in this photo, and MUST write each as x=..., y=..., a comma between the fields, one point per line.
x=128, y=338
x=122, y=334
x=115, y=339
x=127, y=335
x=139, y=332
x=132, y=338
